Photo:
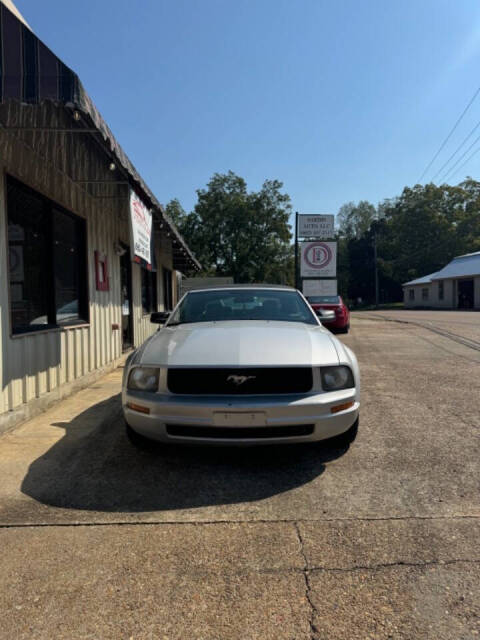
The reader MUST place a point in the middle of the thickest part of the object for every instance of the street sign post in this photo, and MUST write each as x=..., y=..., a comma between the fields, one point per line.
x=318, y=259
x=318, y=226
x=319, y=288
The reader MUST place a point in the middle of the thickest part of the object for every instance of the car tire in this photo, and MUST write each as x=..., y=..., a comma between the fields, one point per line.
x=344, y=440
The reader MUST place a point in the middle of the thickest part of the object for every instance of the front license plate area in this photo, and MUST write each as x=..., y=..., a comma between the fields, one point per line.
x=239, y=419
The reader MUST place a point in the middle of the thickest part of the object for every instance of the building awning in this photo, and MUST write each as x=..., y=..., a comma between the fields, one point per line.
x=31, y=74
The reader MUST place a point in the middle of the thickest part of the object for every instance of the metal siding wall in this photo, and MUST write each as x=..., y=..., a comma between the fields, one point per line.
x=418, y=302
x=143, y=328
x=406, y=301
x=34, y=364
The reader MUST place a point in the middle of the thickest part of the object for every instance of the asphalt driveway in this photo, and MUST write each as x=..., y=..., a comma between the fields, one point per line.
x=460, y=324
x=102, y=540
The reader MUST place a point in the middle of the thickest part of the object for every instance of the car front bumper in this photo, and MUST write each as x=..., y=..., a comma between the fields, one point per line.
x=246, y=419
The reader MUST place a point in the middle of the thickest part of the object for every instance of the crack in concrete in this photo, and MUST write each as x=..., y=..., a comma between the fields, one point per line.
x=398, y=563
x=308, y=587
x=136, y=523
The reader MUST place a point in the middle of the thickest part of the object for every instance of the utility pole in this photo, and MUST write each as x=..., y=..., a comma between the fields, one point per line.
x=376, y=263
x=296, y=250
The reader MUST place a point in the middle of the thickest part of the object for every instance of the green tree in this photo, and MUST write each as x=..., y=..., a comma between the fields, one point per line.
x=354, y=220
x=423, y=231
x=355, y=249
x=417, y=233
x=176, y=213
x=238, y=233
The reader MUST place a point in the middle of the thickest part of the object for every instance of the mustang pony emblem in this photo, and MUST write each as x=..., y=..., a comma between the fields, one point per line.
x=238, y=380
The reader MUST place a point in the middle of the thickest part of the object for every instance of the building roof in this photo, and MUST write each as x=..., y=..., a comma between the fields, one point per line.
x=459, y=267
x=9, y=4
x=32, y=74
x=425, y=280
x=466, y=265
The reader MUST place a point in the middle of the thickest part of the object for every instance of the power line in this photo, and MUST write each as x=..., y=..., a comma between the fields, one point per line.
x=456, y=150
x=466, y=161
x=450, y=134
x=452, y=168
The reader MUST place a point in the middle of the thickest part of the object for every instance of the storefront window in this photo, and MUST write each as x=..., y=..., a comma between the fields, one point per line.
x=28, y=257
x=47, y=262
x=149, y=291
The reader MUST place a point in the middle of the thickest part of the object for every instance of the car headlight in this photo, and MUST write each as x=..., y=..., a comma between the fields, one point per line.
x=335, y=378
x=143, y=379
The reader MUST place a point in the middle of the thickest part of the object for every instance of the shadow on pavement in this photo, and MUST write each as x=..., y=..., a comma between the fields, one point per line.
x=97, y=468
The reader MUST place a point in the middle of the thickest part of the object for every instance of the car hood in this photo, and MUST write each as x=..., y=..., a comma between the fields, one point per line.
x=240, y=343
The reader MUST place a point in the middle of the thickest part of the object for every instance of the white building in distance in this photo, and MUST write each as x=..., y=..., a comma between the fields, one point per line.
x=456, y=286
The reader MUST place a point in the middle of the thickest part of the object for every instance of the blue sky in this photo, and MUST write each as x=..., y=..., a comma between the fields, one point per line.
x=340, y=100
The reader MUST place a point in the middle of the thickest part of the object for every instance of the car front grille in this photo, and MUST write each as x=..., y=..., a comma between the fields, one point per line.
x=236, y=433
x=241, y=381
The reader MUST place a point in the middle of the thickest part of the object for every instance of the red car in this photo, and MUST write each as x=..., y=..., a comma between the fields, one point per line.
x=342, y=314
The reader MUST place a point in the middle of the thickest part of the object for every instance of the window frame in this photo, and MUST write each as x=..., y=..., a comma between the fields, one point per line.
x=49, y=206
x=441, y=289
x=425, y=293
x=411, y=294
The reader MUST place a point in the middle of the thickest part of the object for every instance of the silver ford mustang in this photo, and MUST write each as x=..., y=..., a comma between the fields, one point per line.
x=242, y=365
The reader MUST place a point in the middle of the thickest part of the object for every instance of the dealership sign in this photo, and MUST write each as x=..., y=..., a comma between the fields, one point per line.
x=320, y=227
x=141, y=229
x=319, y=288
x=318, y=259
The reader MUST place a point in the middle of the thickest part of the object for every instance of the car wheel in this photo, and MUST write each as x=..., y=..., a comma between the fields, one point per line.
x=344, y=440
x=345, y=329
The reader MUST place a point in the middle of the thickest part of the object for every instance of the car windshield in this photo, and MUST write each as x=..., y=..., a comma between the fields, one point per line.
x=242, y=304
x=323, y=299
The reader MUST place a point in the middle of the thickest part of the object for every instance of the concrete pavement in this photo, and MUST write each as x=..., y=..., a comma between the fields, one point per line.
x=101, y=540
x=460, y=324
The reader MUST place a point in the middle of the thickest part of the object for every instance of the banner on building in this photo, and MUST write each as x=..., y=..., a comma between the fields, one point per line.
x=141, y=230
x=319, y=288
x=318, y=259
x=319, y=226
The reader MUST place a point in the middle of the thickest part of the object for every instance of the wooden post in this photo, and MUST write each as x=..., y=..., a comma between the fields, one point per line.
x=296, y=251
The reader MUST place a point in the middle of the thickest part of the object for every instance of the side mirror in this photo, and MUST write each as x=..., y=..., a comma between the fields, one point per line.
x=159, y=317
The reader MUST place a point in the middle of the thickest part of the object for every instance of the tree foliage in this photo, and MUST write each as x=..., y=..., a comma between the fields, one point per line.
x=176, y=212
x=354, y=220
x=238, y=233
x=417, y=233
